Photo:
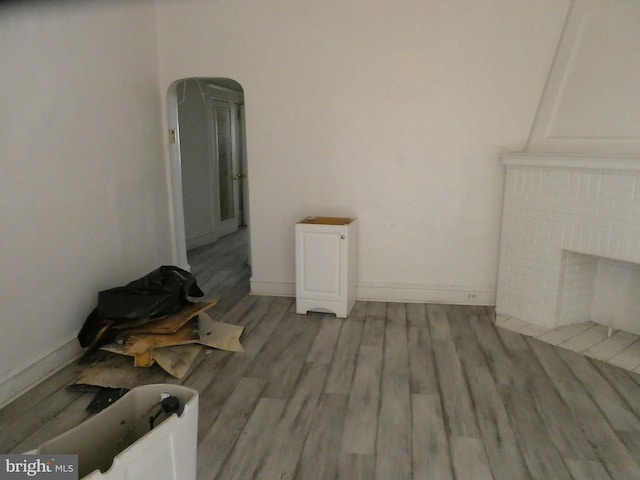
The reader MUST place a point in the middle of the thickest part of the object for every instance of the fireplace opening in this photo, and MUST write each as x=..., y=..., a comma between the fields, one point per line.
x=601, y=290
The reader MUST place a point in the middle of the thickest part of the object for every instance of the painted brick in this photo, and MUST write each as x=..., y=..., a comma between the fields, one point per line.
x=618, y=186
x=548, y=211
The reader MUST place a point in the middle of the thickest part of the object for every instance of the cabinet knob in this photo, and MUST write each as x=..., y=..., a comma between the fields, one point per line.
x=342, y=237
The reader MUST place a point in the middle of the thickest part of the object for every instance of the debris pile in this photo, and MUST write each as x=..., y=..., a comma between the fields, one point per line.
x=152, y=320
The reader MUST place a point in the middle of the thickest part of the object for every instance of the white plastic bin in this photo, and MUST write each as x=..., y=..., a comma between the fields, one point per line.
x=117, y=443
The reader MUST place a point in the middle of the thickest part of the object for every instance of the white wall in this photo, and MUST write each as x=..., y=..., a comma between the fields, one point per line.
x=83, y=199
x=394, y=112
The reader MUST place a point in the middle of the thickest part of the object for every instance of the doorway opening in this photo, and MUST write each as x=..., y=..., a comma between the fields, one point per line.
x=208, y=164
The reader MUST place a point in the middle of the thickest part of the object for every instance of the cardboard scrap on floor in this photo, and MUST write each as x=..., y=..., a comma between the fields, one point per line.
x=220, y=335
x=118, y=371
x=168, y=324
x=141, y=346
x=177, y=360
x=173, y=342
x=202, y=331
x=111, y=371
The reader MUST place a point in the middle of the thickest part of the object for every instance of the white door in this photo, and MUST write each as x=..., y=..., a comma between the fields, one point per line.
x=227, y=166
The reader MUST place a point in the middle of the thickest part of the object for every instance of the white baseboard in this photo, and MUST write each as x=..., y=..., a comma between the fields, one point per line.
x=394, y=292
x=201, y=240
x=273, y=288
x=425, y=293
x=17, y=381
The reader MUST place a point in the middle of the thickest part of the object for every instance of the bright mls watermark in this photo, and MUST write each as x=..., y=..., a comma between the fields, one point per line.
x=50, y=467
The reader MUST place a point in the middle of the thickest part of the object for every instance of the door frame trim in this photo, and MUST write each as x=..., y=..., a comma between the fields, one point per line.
x=175, y=180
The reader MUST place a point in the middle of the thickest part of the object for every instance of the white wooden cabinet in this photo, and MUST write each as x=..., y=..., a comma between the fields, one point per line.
x=326, y=265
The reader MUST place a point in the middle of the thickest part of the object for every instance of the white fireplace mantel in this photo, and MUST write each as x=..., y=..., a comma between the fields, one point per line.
x=573, y=161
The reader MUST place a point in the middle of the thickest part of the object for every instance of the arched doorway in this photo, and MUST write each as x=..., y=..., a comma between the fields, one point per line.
x=208, y=161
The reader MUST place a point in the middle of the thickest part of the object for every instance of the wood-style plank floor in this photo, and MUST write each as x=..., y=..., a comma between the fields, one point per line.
x=395, y=391
x=616, y=347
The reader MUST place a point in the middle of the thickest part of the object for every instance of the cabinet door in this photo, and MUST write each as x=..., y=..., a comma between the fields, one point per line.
x=320, y=264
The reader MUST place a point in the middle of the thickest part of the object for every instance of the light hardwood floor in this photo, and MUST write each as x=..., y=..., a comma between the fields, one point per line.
x=395, y=391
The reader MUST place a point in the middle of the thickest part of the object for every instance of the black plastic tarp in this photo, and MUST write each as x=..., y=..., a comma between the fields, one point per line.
x=161, y=292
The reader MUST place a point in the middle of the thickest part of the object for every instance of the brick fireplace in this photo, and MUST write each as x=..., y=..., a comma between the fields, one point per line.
x=570, y=243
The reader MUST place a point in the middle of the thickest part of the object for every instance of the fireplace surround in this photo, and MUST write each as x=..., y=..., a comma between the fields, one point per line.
x=570, y=242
